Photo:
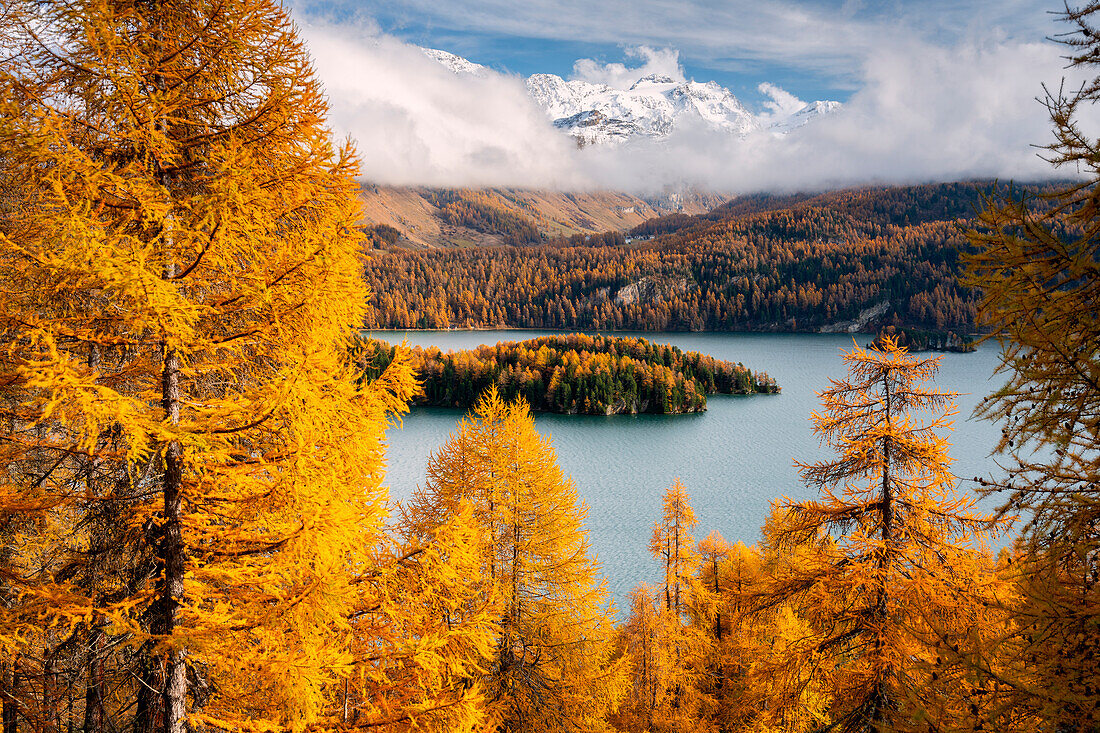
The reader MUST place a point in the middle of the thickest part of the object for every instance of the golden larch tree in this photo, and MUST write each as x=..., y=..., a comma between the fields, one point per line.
x=672, y=648
x=673, y=545
x=887, y=562
x=192, y=467
x=731, y=577
x=1035, y=260
x=423, y=634
x=550, y=667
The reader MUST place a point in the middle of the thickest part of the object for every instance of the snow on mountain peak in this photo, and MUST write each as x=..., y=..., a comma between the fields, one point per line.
x=653, y=79
x=455, y=63
x=652, y=107
x=806, y=114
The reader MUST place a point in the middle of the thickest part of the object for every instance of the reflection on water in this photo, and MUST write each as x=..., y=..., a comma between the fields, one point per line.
x=734, y=459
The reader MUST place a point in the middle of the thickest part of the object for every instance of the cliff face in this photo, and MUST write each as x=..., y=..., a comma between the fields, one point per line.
x=635, y=406
x=652, y=290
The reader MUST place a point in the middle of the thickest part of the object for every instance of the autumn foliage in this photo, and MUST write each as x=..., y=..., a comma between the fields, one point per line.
x=575, y=374
x=549, y=668
x=191, y=496
x=794, y=263
x=194, y=529
x=1035, y=259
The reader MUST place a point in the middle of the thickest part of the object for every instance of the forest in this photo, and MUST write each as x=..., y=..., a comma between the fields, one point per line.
x=195, y=532
x=759, y=263
x=574, y=374
x=477, y=211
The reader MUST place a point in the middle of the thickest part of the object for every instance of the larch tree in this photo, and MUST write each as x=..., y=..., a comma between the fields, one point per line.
x=641, y=644
x=731, y=576
x=550, y=668
x=712, y=551
x=672, y=648
x=886, y=565
x=1036, y=260
x=422, y=635
x=192, y=469
x=673, y=545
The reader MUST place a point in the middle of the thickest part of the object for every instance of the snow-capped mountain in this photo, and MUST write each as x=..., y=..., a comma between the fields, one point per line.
x=457, y=64
x=653, y=106
x=810, y=112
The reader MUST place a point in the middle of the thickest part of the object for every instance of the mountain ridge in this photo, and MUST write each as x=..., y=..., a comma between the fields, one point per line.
x=414, y=212
x=652, y=106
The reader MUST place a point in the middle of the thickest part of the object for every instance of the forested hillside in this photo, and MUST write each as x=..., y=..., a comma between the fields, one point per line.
x=575, y=374
x=850, y=259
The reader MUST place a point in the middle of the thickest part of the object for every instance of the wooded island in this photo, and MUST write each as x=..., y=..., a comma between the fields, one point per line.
x=576, y=374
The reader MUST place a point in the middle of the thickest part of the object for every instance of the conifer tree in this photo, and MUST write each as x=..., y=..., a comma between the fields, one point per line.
x=886, y=564
x=641, y=643
x=1035, y=261
x=550, y=667
x=191, y=470
x=422, y=635
x=674, y=546
x=731, y=577
x=671, y=647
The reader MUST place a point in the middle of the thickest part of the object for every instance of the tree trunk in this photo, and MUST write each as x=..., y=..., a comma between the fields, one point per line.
x=51, y=708
x=175, y=689
x=150, y=702
x=676, y=566
x=881, y=695
x=717, y=597
x=93, y=696
x=10, y=712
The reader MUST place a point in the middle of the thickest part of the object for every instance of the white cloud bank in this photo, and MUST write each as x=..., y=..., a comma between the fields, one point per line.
x=416, y=122
x=922, y=113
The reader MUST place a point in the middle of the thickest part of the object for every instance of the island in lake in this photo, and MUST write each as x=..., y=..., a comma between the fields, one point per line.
x=915, y=339
x=576, y=374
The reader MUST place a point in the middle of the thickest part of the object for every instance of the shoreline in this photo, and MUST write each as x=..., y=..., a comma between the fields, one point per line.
x=975, y=338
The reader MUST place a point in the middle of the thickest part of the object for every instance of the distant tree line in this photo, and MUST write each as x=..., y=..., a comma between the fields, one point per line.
x=477, y=211
x=381, y=235
x=576, y=374
x=601, y=239
x=760, y=263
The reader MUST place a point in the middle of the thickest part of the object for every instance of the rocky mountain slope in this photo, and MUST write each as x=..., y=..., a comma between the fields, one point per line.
x=414, y=212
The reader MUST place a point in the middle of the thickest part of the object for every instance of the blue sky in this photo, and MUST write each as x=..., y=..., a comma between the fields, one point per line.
x=812, y=48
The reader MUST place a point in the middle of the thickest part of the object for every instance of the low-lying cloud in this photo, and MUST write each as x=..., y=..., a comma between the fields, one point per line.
x=922, y=113
x=659, y=61
x=417, y=123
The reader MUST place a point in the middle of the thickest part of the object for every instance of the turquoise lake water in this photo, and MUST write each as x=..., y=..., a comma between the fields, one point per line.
x=734, y=459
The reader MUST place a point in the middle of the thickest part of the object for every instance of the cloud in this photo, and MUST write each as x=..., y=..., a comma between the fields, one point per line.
x=416, y=122
x=922, y=112
x=809, y=36
x=779, y=103
x=661, y=61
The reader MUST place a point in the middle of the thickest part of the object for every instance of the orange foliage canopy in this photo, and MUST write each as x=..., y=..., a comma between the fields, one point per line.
x=191, y=475
x=887, y=565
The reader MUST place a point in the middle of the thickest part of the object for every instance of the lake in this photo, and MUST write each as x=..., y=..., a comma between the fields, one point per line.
x=734, y=459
